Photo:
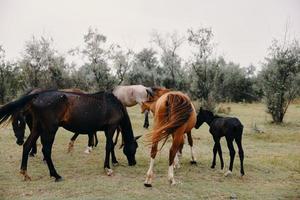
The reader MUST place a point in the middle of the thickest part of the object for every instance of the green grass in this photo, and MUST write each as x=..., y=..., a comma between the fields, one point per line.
x=272, y=165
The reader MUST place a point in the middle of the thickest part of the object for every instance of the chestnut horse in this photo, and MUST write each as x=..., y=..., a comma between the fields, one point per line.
x=76, y=112
x=174, y=115
x=150, y=105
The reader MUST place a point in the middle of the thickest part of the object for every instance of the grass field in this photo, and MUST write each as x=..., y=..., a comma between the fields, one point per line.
x=272, y=165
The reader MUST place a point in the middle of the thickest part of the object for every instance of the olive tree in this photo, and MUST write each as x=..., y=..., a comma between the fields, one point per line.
x=281, y=77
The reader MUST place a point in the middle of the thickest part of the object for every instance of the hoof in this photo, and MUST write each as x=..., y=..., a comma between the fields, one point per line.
x=26, y=177
x=212, y=167
x=109, y=172
x=147, y=185
x=228, y=173
x=193, y=162
x=88, y=150
x=115, y=164
x=58, y=179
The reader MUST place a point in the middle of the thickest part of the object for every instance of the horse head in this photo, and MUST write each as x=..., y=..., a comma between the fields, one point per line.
x=18, y=123
x=130, y=149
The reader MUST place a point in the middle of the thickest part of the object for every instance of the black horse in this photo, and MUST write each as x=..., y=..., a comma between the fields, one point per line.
x=76, y=112
x=229, y=127
x=20, y=119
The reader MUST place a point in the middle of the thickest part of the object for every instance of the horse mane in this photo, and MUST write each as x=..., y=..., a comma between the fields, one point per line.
x=178, y=111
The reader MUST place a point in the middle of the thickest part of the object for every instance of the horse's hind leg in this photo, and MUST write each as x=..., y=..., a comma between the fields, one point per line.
x=71, y=143
x=238, y=141
x=190, y=141
x=177, y=141
x=47, y=139
x=90, y=143
x=149, y=175
x=229, y=141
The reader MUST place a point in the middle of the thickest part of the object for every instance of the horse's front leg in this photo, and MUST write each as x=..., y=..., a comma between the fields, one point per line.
x=108, y=149
x=47, y=138
x=33, y=150
x=26, y=148
x=177, y=141
x=149, y=175
x=146, y=122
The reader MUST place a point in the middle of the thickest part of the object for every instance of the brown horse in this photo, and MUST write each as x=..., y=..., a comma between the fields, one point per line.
x=76, y=112
x=20, y=119
x=150, y=105
x=174, y=115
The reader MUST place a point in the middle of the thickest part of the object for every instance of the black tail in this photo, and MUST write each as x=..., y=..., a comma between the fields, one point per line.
x=8, y=109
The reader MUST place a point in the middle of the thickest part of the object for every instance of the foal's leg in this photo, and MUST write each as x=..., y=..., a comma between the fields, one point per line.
x=238, y=141
x=190, y=141
x=177, y=141
x=216, y=148
x=220, y=155
x=47, y=139
x=71, y=143
x=229, y=141
x=149, y=175
x=146, y=122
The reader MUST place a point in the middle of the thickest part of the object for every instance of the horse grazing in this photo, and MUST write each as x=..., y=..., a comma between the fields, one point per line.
x=20, y=119
x=174, y=115
x=231, y=128
x=150, y=105
x=76, y=112
x=130, y=95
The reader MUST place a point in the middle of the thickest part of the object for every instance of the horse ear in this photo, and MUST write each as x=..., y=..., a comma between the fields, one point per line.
x=137, y=137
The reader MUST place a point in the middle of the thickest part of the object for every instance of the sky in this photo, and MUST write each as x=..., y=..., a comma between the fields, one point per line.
x=243, y=29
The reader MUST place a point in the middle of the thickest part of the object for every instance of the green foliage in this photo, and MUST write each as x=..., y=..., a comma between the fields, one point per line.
x=281, y=78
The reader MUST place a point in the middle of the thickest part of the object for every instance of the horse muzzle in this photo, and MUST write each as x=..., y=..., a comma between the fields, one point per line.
x=132, y=163
x=20, y=142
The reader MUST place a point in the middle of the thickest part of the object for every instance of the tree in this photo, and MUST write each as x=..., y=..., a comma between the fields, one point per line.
x=9, y=76
x=42, y=65
x=145, y=69
x=97, y=55
x=171, y=61
x=201, y=41
x=122, y=62
x=281, y=77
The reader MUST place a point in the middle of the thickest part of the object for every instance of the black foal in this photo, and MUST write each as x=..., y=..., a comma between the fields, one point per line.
x=229, y=127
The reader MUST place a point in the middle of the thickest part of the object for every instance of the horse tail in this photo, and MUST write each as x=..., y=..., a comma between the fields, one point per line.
x=15, y=106
x=178, y=111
